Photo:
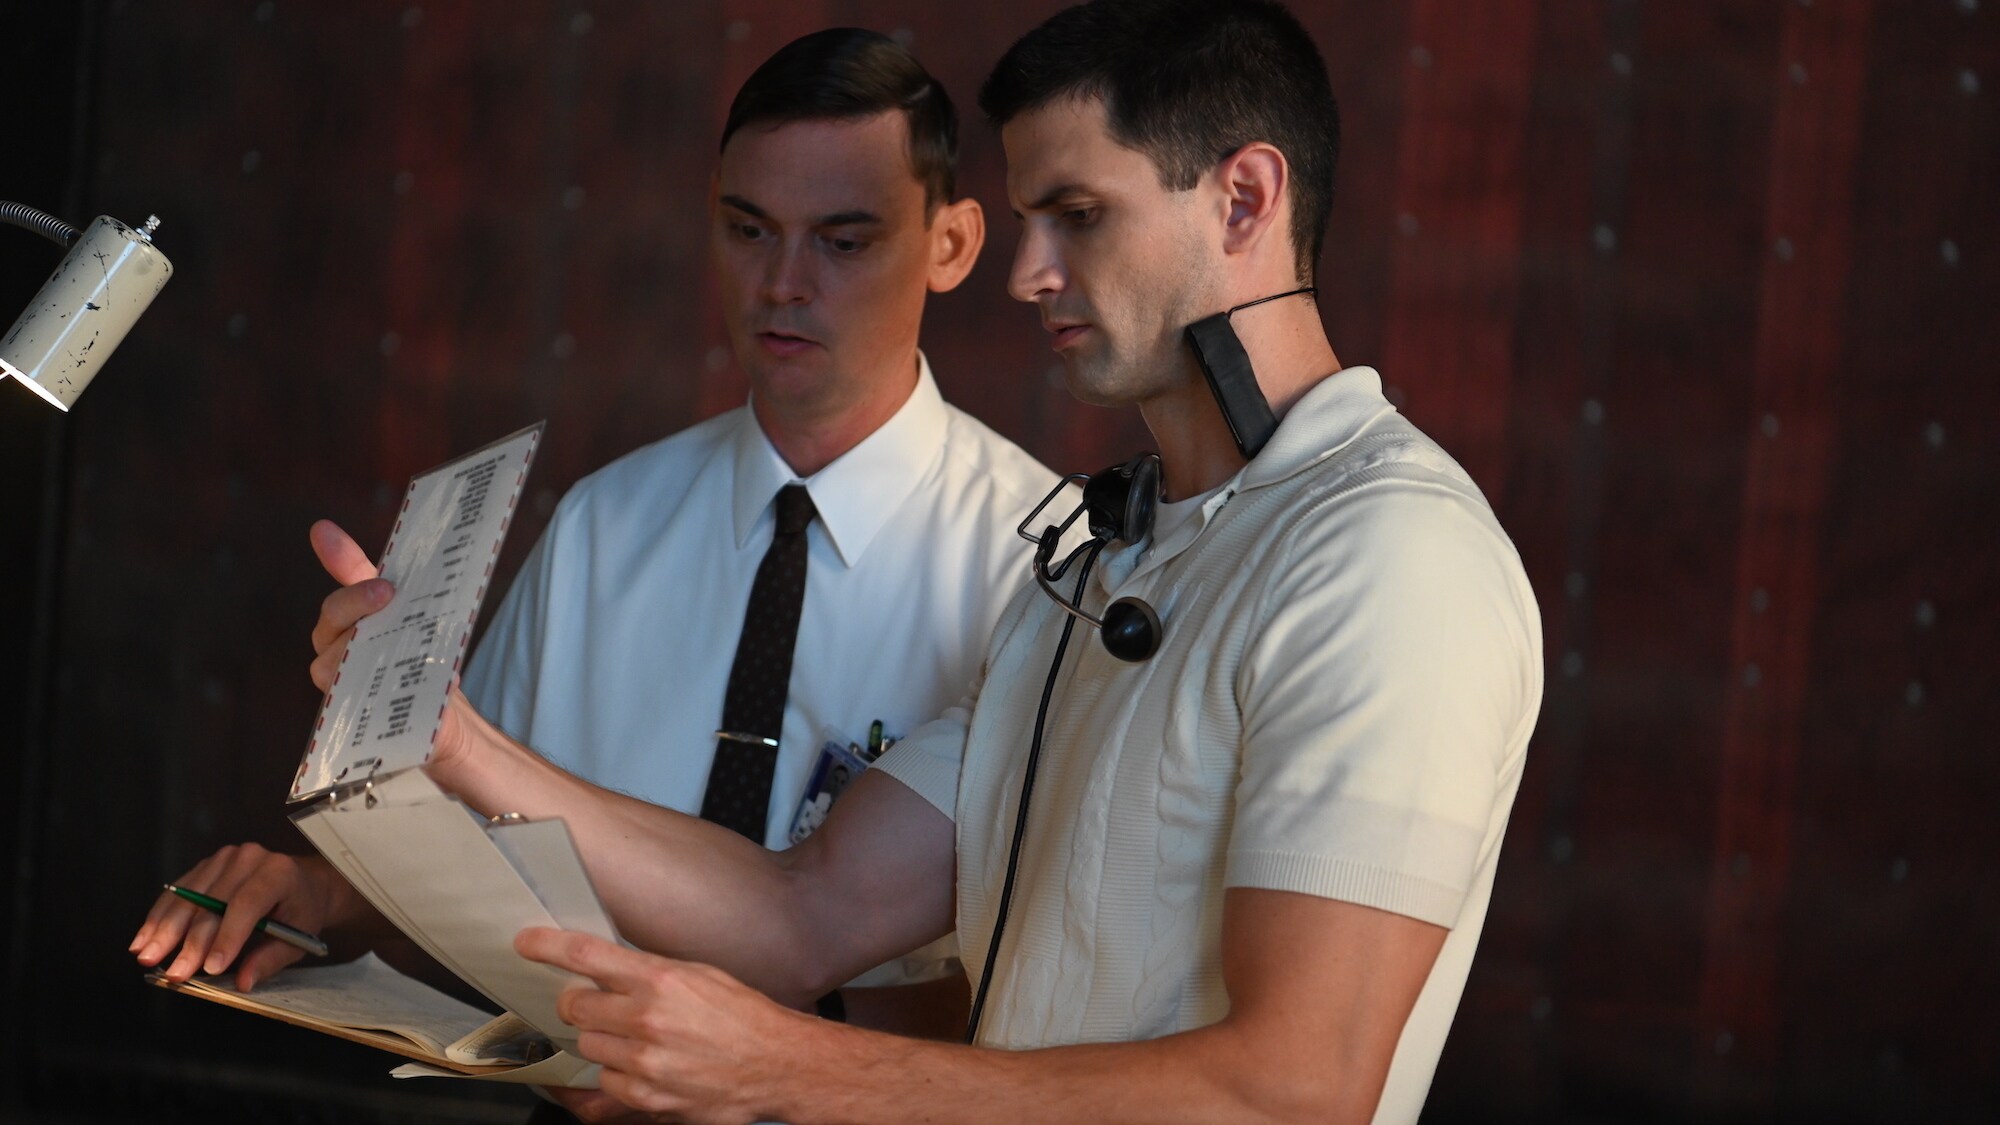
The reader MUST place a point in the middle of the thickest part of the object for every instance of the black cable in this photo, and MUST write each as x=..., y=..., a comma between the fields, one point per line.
x=39, y=221
x=1027, y=788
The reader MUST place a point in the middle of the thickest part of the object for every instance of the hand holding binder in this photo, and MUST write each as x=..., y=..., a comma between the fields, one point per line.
x=362, y=594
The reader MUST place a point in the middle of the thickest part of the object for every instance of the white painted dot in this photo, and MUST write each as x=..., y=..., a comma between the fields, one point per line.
x=1621, y=64
x=412, y=16
x=737, y=31
x=572, y=197
x=1421, y=56
x=1752, y=675
x=1604, y=238
x=1913, y=693
x=390, y=343
x=716, y=359
x=1948, y=252
x=1572, y=664
x=1769, y=425
x=1926, y=614
x=1593, y=412
x=252, y=160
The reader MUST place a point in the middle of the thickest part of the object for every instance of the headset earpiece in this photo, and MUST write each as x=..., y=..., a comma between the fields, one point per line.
x=1143, y=499
x=1121, y=500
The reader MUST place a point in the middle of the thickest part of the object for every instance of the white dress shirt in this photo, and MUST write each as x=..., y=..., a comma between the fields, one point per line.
x=611, y=651
x=1340, y=707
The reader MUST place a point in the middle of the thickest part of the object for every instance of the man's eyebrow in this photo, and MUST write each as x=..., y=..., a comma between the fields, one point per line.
x=852, y=218
x=1056, y=195
x=848, y=219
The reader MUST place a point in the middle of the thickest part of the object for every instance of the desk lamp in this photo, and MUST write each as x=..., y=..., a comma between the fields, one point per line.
x=110, y=275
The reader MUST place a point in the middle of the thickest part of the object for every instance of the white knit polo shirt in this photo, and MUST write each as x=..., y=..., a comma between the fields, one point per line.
x=1350, y=673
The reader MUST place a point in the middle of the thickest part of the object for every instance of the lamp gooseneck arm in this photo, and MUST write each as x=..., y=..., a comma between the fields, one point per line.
x=39, y=221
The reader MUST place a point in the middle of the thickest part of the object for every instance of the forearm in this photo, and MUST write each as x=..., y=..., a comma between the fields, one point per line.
x=1218, y=1073
x=673, y=884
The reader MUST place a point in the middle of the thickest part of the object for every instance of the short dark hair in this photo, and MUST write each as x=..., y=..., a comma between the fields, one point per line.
x=848, y=72
x=1188, y=83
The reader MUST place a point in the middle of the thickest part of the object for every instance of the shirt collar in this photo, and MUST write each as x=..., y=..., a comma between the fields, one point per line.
x=1332, y=413
x=862, y=488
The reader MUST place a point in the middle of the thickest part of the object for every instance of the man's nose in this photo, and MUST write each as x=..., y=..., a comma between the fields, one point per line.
x=788, y=275
x=1036, y=270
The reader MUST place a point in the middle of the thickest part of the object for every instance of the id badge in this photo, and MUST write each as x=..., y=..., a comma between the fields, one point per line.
x=838, y=765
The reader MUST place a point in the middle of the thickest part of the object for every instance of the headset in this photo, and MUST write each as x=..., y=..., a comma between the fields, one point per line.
x=1118, y=506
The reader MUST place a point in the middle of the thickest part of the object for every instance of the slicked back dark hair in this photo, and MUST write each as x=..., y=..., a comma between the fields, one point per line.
x=848, y=72
x=1188, y=83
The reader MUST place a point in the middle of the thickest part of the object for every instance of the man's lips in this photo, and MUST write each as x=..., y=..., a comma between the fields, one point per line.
x=784, y=343
x=1067, y=334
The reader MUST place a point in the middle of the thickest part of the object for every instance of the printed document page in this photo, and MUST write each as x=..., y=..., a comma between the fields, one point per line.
x=389, y=694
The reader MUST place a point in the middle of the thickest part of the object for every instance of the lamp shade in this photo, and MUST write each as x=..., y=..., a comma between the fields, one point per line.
x=108, y=278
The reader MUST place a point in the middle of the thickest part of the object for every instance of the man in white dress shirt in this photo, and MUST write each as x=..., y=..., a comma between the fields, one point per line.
x=833, y=215
x=1257, y=861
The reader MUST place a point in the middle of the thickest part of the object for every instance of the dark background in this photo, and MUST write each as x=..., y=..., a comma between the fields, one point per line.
x=1701, y=292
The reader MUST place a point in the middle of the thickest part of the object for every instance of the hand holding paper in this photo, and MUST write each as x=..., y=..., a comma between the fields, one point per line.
x=672, y=1036
x=363, y=593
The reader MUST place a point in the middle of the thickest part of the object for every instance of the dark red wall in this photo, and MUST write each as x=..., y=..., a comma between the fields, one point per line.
x=1699, y=291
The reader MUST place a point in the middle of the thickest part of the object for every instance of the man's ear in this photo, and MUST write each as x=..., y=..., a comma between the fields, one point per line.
x=1254, y=181
x=958, y=230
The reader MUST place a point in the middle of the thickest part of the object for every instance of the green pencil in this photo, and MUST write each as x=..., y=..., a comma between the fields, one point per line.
x=270, y=926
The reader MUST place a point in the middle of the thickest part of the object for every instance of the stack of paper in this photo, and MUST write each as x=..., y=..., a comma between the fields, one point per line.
x=459, y=886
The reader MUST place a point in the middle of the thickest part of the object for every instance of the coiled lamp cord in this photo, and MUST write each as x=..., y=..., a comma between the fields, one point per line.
x=39, y=221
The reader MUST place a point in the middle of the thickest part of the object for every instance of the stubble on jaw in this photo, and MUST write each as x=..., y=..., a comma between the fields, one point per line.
x=1132, y=370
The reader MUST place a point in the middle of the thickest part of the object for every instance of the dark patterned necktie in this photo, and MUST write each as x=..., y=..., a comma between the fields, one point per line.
x=753, y=706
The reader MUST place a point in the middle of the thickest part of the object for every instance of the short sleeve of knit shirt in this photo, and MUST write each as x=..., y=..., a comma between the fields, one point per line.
x=1387, y=690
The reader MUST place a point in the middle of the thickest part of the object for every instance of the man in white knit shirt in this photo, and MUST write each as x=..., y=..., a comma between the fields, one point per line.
x=1256, y=861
